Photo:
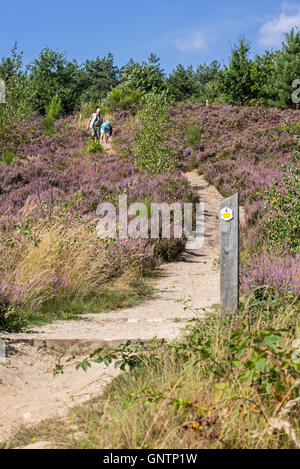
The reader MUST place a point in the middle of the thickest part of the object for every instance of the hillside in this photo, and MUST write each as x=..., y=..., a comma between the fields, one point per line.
x=56, y=268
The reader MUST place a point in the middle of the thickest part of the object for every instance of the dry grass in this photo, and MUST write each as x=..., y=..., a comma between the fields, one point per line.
x=68, y=261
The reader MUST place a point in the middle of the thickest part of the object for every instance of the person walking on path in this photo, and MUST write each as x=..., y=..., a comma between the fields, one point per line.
x=106, y=131
x=94, y=124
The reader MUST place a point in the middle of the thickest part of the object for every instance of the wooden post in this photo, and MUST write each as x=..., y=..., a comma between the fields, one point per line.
x=229, y=261
x=2, y=350
x=2, y=92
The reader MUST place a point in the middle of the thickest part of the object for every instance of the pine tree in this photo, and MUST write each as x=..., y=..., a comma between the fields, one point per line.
x=286, y=70
x=235, y=82
x=99, y=77
x=145, y=76
x=182, y=84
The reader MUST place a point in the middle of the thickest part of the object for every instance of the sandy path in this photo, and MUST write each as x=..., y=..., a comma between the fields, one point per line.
x=27, y=395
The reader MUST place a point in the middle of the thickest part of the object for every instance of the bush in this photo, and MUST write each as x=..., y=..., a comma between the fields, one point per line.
x=154, y=154
x=48, y=124
x=8, y=155
x=55, y=108
x=283, y=206
x=10, y=321
x=87, y=109
x=95, y=147
x=194, y=135
x=123, y=98
x=53, y=111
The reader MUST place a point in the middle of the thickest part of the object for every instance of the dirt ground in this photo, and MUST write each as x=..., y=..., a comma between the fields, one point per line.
x=28, y=394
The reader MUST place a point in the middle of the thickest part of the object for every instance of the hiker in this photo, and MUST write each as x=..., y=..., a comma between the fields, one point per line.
x=106, y=131
x=94, y=124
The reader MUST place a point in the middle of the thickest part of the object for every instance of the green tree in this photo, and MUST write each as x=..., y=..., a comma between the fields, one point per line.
x=49, y=75
x=12, y=72
x=14, y=109
x=144, y=76
x=154, y=154
x=235, y=81
x=286, y=69
x=53, y=111
x=206, y=79
x=207, y=73
x=261, y=68
x=181, y=84
x=98, y=78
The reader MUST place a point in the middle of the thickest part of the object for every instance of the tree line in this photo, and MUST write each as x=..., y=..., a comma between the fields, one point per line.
x=260, y=79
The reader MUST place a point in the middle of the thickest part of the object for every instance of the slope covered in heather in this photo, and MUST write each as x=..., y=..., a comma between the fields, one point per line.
x=48, y=199
x=243, y=148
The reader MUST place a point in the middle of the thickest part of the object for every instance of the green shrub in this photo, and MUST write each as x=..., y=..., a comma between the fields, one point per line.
x=283, y=206
x=48, y=124
x=193, y=135
x=123, y=98
x=104, y=110
x=94, y=147
x=55, y=108
x=291, y=128
x=87, y=109
x=8, y=155
x=154, y=154
x=10, y=320
x=53, y=111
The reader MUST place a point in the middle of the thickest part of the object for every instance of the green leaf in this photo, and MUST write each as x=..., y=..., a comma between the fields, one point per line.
x=272, y=339
x=260, y=364
x=107, y=361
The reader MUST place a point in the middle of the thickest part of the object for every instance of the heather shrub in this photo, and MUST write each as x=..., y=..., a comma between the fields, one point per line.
x=243, y=149
x=52, y=192
x=13, y=132
x=264, y=268
x=169, y=249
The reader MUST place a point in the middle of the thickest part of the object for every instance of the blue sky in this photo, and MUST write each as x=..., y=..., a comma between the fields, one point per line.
x=178, y=31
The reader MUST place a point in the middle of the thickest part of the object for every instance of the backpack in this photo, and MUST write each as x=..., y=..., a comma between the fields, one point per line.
x=109, y=130
x=98, y=121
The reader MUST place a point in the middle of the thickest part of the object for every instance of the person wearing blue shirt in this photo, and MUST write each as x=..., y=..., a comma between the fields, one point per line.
x=105, y=131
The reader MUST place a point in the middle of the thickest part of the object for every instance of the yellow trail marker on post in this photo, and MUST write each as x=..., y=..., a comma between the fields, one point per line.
x=229, y=260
